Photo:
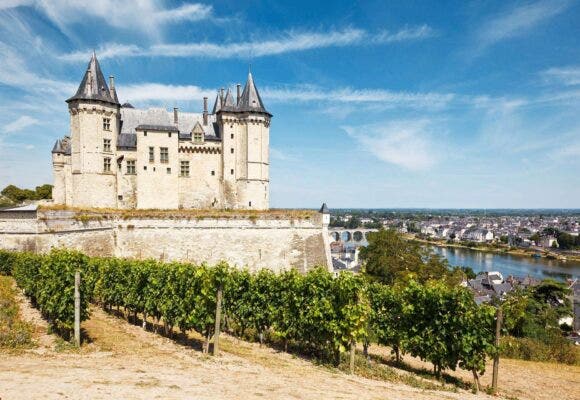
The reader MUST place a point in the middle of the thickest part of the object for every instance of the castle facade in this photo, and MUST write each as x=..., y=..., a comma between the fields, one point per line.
x=118, y=156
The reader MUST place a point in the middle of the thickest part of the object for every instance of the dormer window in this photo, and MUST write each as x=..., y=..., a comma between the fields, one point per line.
x=197, y=134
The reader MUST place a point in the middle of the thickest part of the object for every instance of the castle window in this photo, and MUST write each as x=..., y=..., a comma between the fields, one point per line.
x=131, y=167
x=198, y=137
x=184, y=168
x=144, y=133
x=164, y=154
x=232, y=135
x=250, y=204
x=107, y=124
x=107, y=164
x=232, y=150
x=145, y=167
x=169, y=134
x=107, y=145
x=212, y=173
x=151, y=154
x=168, y=170
x=231, y=171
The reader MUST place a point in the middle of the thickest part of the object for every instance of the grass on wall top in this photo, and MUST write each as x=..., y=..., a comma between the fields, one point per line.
x=106, y=213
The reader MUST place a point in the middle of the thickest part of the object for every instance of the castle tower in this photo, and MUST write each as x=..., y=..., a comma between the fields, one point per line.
x=94, y=123
x=245, y=127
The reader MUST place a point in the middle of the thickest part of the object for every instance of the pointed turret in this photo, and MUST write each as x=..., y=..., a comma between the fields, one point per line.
x=93, y=86
x=218, y=103
x=229, y=104
x=250, y=100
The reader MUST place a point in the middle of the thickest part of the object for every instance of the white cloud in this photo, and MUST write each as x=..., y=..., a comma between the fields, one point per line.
x=307, y=93
x=569, y=76
x=159, y=92
x=405, y=143
x=406, y=34
x=287, y=42
x=21, y=123
x=14, y=72
x=146, y=16
x=518, y=21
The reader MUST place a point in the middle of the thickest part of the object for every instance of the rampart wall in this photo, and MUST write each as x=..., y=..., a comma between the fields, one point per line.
x=255, y=241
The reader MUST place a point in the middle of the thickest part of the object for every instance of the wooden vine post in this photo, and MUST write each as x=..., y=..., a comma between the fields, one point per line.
x=498, y=322
x=218, y=320
x=77, y=326
x=352, y=354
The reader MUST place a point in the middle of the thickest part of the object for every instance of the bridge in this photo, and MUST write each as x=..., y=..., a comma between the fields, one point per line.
x=352, y=237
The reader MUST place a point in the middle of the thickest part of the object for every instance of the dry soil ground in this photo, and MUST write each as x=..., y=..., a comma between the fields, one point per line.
x=124, y=362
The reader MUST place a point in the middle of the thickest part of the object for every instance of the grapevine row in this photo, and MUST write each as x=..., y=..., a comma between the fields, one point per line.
x=319, y=313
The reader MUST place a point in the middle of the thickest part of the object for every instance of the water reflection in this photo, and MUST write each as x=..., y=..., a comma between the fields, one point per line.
x=509, y=264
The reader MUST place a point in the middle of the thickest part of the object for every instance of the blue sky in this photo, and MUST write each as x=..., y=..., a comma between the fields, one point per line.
x=375, y=103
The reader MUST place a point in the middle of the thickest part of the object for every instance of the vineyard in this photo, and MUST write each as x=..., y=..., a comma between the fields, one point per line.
x=317, y=313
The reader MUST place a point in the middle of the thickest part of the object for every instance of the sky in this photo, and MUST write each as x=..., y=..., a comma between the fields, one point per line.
x=447, y=104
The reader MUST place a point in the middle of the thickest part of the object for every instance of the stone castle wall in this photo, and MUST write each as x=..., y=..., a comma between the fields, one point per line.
x=262, y=242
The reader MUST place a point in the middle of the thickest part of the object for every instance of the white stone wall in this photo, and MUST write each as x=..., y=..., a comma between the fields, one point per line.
x=265, y=242
x=157, y=187
x=202, y=189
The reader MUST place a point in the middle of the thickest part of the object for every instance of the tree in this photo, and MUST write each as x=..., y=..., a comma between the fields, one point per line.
x=44, y=192
x=389, y=256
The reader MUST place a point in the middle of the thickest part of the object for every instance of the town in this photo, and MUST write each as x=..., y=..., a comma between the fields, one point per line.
x=553, y=230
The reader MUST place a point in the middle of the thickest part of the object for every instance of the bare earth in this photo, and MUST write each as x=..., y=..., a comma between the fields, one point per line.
x=123, y=361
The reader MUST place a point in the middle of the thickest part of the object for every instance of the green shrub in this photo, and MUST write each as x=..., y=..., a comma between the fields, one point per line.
x=7, y=259
x=555, y=349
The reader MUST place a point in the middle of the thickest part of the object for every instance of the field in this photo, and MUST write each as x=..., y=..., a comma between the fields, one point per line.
x=121, y=360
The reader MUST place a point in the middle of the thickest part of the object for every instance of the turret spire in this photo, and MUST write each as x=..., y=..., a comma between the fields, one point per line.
x=94, y=86
x=250, y=101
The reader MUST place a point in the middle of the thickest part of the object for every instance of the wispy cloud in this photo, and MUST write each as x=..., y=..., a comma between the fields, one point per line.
x=308, y=93
x=146, y=92
x=146, y=16
x=21, y=123
x=287, y=42
x=416, y=33
x=405, y=143
x=518, y=21
x=569, y=76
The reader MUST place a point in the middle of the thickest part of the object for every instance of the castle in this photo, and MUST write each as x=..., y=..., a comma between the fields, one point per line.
x=118, y=156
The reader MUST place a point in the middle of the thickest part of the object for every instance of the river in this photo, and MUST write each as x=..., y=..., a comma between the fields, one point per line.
x=508, y=264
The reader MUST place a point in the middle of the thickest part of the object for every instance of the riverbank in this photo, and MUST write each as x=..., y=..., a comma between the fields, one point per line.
x=500, y=249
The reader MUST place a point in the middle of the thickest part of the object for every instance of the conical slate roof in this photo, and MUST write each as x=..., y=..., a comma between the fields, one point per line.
x=93, y=86
x=324, y=209
x=218, y=103
x=250, y=100
x=229, y=104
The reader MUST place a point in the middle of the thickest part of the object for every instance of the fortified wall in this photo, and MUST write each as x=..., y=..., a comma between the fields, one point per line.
x=276, y=239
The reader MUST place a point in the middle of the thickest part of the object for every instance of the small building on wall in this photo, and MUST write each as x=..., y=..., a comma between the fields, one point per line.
x=118, y=156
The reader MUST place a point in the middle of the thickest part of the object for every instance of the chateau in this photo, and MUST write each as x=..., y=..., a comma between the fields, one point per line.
x=118, y=156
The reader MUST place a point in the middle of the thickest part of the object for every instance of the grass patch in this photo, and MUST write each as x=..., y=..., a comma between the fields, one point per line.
x=97, y=214
x=15, y=333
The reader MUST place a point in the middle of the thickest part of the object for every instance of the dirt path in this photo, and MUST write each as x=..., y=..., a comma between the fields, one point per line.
x=125, y=362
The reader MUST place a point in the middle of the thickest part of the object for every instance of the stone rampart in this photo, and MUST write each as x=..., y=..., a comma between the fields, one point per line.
x=257, y=240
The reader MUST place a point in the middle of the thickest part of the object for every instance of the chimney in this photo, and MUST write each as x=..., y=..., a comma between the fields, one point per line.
x=112, y=86
x=175, y=118
x=239, y=93
x=204, y=111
